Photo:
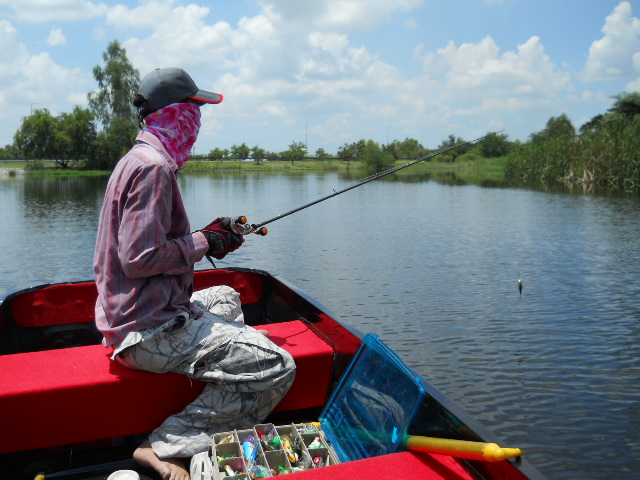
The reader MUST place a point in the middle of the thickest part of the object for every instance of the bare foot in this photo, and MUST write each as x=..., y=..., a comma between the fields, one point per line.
x=168, y=468
x=265, y=333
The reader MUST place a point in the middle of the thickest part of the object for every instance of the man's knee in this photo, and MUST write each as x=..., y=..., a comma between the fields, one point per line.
x=289, y=369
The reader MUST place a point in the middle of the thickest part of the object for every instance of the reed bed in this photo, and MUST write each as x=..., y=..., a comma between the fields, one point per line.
x=606, y=158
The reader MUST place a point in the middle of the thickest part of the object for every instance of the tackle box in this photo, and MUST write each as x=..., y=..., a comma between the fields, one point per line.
x=367, y=415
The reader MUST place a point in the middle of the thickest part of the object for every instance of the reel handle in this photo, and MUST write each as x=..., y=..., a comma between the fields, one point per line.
x=240, y=226
x=262, y=231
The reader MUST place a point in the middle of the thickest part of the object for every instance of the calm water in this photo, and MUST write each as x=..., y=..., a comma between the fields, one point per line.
x=433, y=269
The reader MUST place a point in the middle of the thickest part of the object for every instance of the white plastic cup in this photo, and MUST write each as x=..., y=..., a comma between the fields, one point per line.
x=124, y=475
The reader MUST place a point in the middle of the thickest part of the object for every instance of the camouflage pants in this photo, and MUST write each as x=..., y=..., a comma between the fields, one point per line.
x=246, y=374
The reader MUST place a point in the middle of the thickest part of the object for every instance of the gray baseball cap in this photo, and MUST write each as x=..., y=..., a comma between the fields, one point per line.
x=165, y=86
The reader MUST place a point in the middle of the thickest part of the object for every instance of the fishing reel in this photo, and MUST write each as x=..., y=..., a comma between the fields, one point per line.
x=240, y=226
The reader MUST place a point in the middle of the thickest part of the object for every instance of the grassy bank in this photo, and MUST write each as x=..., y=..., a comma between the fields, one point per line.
x=37, y=168
x=195, y=166
x=466, y=169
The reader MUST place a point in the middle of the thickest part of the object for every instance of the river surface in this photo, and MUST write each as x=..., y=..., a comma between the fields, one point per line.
x=433, y=270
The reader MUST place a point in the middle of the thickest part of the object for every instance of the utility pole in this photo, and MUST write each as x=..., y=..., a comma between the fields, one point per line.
x=306, y=138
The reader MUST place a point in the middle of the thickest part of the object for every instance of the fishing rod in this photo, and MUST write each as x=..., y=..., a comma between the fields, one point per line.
x=260, y=229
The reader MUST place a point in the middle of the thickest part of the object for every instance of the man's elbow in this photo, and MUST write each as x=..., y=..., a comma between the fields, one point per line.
x=132, y=270
x=135, y=268
x=137, y=262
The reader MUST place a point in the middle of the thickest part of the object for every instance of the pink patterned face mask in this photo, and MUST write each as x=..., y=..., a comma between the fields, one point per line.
x=177, y=126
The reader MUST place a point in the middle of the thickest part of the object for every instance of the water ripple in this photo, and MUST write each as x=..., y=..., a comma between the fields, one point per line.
x=433, y=270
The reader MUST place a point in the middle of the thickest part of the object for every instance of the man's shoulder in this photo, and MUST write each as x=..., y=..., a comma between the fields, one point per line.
x=143, y=156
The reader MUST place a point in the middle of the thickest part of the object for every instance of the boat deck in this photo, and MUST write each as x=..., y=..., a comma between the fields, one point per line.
x=59, y=385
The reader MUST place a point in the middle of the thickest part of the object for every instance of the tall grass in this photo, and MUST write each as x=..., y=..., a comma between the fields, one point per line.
x=608, y=158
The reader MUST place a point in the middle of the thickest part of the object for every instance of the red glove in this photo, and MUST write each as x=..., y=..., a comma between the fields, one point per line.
x=221, y=238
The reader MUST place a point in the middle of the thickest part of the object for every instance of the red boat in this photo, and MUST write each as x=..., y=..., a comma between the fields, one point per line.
x=58, y=385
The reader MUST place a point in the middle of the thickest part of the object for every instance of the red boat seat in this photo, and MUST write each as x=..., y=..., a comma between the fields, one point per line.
x=401, y=465
x=75, y=302
x=59, y=397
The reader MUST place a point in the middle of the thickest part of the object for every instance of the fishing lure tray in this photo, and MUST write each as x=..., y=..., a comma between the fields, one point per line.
x=367, y=415
x=263, y=451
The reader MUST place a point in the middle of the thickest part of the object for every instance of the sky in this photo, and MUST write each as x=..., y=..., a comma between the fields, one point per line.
x=331, y=72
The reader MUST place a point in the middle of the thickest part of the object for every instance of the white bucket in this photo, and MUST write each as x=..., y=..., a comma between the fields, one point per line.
x=124, y=475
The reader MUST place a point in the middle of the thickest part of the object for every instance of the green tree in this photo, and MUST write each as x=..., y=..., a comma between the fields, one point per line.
x=321, y=154
x=68, y=137
x=348, y=152
x=359, y=146
x=451, y=141
x=494, y=145
x=111, y=144
x=557, y=128
x=9, y=152
x=375, y=157
x=409, y=148
x=240, y=152
x=592, y=126
x=621, y=113
x=112, y=105
x=34, y=136
x=352, y=151
x=297, y=151
x=627, y=105
x=604, y=155
x=258, y=154
x=80, y=128
x=219, y=154
x=118, y=83
x=272, y=156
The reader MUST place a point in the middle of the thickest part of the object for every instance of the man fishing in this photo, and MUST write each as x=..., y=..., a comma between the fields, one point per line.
x=144, y=262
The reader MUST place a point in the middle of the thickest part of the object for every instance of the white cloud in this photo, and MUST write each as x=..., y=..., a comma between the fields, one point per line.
x=40, y=11
x=56, y=37
x=8, y=36
x=147, y=14
x=99, y=34
x=481, y=67
x=337, y=15
x=78, y=98
x=180, y=36
x=411, y=24
x=266, y=67
x=31, y=80
x=612, y=55
x=634, y=86
x=332, y=43
x=476, y=80
x=290, y=61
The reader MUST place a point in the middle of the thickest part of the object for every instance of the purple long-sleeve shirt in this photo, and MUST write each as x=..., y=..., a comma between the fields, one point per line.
x=145, y=252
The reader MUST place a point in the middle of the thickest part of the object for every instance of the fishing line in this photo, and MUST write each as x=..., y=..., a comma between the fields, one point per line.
x=259, y=227
x=317, y=194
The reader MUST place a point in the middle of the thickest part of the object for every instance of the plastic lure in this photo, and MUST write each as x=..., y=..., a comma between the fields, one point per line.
x=249, y=447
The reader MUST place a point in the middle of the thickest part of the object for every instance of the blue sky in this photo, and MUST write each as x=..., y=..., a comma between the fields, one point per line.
x=330, y=72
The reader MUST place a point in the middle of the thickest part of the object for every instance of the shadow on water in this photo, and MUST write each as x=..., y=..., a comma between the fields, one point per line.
x=46, y=197
x=49, y=229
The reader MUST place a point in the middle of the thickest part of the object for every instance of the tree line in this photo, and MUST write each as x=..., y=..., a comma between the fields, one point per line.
x=95, y=138
x=604, y=152
x=367, y=151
